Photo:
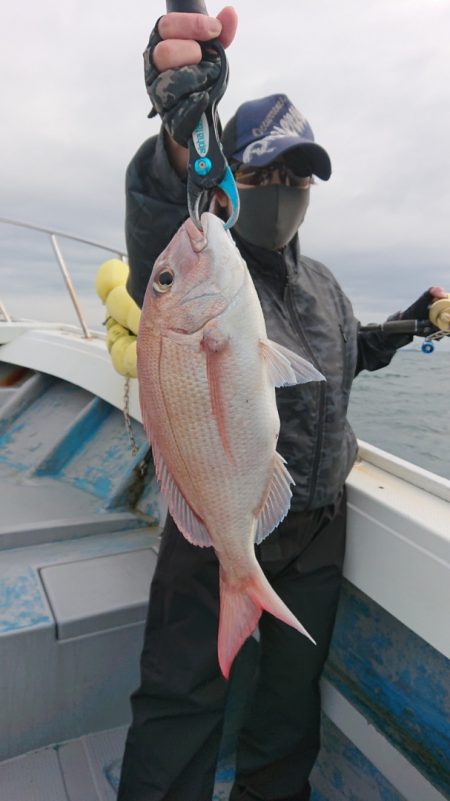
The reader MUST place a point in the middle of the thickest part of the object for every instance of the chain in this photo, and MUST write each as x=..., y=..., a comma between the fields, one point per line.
x=126, y=415
x=127, y=418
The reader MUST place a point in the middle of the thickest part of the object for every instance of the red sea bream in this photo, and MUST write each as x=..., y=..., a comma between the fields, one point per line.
x=207, y=375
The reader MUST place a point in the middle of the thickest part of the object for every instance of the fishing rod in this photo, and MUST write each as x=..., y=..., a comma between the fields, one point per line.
x=434, y=329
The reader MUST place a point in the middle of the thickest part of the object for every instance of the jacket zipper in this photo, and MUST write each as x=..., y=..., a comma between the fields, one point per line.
x=321, y=392
x=343, y=351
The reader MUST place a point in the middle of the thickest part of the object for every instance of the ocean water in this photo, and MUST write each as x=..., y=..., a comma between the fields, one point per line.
x=405, y=408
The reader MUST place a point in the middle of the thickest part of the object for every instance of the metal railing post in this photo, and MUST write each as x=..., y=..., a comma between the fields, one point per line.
x=62, y=265
x=4, y=312
x=70, y=286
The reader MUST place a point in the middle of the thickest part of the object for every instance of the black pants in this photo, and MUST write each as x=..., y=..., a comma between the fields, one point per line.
x=172, y=744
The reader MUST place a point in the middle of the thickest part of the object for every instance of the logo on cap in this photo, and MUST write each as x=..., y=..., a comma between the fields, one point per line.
x=293, y=123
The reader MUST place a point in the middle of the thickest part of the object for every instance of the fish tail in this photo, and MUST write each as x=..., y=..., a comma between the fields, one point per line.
x=240, y=610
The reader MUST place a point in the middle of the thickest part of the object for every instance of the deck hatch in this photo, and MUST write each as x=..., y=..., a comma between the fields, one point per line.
x=92, y=595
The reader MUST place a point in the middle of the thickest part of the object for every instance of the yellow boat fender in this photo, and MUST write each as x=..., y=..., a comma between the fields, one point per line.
x=111, y=273
x=113, y=332
x=121, y=307
x=123, y=355
x=130, y=359
x=122, y=323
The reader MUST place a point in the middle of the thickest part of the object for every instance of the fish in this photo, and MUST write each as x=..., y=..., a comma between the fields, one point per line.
x=207, y=374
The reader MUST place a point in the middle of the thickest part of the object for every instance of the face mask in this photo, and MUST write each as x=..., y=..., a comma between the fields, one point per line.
x=271, y=215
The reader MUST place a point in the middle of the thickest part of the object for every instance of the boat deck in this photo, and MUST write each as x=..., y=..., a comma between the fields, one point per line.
x=85, y=769
x=79, y=534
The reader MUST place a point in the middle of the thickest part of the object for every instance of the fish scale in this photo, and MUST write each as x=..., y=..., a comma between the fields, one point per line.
x=184, y=383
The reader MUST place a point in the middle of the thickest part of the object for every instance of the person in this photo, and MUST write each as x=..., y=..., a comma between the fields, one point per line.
x=173, y=742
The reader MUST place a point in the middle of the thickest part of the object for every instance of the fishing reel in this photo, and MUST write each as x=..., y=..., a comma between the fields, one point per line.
x=439, y=315
x=434, y=329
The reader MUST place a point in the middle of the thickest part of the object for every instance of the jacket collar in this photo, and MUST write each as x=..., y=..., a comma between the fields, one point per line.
x=274, y=267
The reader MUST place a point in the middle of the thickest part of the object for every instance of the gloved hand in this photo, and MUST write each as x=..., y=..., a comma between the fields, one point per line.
x=419, y=310
x=178, y=74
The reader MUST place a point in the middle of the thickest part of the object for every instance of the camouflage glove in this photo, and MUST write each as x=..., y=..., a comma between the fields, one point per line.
x=179, y=96
x=419, y=310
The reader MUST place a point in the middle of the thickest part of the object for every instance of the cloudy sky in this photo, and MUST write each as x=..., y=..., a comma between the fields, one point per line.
x=372, y=77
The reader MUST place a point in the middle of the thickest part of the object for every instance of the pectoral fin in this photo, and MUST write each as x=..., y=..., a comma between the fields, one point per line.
x=285, y=367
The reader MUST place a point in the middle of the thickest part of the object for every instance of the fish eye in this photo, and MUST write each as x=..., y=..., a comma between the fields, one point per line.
x=164, y=281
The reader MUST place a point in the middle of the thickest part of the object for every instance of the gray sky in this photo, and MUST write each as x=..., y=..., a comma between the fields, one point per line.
x=372, y=77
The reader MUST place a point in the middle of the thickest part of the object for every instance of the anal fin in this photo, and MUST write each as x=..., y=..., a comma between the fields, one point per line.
x=276, y=502
x=191, y=527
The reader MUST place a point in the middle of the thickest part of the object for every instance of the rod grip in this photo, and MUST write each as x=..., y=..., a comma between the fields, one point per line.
x=191, y=6
x=391, y=327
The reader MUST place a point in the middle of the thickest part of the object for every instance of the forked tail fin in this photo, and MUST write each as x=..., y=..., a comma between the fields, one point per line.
x=240, y=610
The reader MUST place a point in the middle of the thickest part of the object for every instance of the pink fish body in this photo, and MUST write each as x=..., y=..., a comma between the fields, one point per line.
x=207, y=374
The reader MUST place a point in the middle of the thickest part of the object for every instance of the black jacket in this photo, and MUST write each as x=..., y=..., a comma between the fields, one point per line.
x=305, y=309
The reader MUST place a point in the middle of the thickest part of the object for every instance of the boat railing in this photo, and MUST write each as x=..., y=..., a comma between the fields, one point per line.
x=55, y=237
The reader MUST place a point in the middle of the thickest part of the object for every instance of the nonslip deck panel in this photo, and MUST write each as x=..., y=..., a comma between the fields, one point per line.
x=75, y=768
x=88, y=769
x=94, y=594
x=33, y=777
x=52, y=430
x=89, y=764
x=82, y=769
x=20, y=396
x=35, y=430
